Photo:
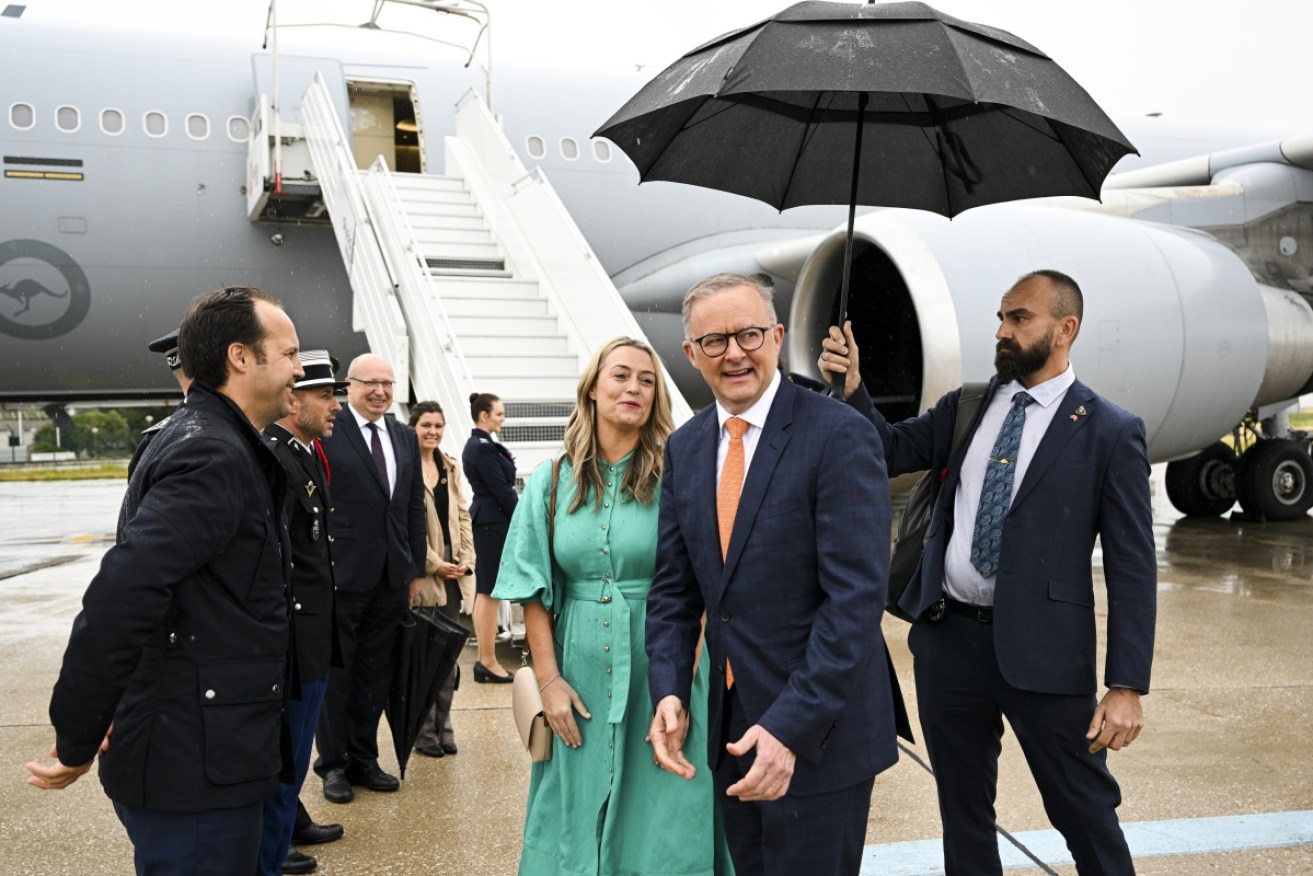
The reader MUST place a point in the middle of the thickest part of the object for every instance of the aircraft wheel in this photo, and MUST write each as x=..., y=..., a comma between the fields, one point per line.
x=1205, y=484
x=1276, y=480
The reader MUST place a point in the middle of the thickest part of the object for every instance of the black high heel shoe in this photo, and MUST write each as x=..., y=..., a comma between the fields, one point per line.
x=484, y=675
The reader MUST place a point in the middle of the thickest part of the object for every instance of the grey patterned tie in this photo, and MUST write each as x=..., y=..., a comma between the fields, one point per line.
x=996, y=494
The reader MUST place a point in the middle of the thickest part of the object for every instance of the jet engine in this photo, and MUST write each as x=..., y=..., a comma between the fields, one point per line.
x=1176, y=329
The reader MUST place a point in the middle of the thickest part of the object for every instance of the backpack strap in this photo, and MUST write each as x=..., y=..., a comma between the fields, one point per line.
x=968, y=404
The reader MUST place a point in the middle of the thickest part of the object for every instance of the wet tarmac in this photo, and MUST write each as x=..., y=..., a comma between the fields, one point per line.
x=1220, y=782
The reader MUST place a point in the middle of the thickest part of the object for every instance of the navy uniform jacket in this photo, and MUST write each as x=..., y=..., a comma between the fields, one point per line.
x=1089, y=478
x=375, y=536
x=490, y=469
x=308, y=506
x=183, y=636
x=797, y=602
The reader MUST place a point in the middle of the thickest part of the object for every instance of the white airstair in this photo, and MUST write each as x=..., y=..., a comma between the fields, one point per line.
x=474, y=281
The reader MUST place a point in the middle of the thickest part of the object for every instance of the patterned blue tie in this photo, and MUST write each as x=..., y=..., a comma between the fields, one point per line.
x=996, y=494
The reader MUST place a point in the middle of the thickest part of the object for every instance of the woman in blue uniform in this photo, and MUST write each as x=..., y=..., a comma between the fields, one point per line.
x=490, y=469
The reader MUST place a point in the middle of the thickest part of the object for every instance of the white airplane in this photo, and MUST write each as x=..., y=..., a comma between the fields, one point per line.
x=143, y=169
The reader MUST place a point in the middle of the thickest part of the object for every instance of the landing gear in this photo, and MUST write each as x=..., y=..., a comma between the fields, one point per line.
x=1276, y=480
x=1205, y=484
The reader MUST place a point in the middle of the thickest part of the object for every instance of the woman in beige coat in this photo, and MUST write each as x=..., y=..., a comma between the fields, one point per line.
x=450, y=565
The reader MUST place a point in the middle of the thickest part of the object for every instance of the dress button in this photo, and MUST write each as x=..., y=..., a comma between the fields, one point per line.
x=606, y=550
x=209, y=694
x=608, y=695
x=606, y=623
x=606, y=648
x=608, y=670
x=173, y=638
x=275, y=688
x=606, y=599
x=298, y=606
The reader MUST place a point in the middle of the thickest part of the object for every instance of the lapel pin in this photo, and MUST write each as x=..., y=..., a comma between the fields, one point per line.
x=309, y=488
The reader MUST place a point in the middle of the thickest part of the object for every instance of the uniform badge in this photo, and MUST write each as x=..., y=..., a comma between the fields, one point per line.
x=314, y=530
x=309, y=488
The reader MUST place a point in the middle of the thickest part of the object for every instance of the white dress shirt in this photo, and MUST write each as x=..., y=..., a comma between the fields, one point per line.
x=389, y=454
x=961, y=579
x=756, y=417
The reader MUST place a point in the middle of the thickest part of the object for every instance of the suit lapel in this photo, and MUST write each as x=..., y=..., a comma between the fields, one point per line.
x=1076, y=410
x=770, y=446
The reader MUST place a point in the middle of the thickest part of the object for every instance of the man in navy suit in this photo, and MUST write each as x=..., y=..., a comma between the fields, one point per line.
x=768, y=497
x=1005, y=592
x=379, y=548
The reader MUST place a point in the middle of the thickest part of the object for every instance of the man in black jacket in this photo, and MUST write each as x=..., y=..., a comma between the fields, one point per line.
x=295, y=441
x=175, y=672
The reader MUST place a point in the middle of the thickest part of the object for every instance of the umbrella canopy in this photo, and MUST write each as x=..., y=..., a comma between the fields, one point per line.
x=428, y=644
x=949, y=114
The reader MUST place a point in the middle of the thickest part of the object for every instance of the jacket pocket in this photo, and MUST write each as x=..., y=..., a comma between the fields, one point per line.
x=241, y=706
x=1070, y=591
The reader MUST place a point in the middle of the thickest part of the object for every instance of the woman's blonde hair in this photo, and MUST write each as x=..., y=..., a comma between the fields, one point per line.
x=644, y=474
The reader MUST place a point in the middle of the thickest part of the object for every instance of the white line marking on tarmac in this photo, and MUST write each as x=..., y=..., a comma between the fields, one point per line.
x=1147, y=839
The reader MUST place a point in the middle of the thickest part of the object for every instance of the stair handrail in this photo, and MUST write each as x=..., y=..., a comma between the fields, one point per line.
x=375, y=307
x=557, y=248
x=441, y=371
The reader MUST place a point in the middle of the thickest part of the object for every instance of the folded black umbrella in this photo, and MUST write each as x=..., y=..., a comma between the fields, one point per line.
x=428, y=645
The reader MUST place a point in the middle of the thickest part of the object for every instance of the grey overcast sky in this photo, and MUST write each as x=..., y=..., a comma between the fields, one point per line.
x=1217, y=62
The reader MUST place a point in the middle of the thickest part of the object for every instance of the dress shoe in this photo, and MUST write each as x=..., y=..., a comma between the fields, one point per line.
x=299, y=863
x=484, y=675
x=431, y=750
x=373, y=778
x=449, y=747
x=336, y=787
x=313, y=834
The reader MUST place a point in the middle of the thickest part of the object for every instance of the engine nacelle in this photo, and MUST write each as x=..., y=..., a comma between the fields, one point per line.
x=1176, y=329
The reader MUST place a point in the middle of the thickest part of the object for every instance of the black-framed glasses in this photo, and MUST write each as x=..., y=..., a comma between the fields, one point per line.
x=372, y=385
x=748, y=338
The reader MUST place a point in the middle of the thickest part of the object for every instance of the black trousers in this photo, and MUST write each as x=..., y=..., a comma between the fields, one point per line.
x=367, y=624
x=794, y=835
x=215, y=842
x=963, y=699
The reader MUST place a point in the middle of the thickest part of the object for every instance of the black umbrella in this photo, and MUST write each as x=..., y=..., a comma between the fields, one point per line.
x=428, y=644
x=890, y=104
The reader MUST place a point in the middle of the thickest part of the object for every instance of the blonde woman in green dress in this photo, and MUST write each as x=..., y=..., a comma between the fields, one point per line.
x=600, y=805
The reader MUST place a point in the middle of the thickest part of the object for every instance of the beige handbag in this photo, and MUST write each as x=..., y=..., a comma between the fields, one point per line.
x=526, y=698
x=527, y=706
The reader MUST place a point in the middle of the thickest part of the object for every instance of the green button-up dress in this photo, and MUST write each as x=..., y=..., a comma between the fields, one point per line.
x=605, y=808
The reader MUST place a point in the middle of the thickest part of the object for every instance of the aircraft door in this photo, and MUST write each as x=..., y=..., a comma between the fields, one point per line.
x=385, y=121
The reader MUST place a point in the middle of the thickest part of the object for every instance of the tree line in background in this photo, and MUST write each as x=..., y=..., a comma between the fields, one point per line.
x=100, y=432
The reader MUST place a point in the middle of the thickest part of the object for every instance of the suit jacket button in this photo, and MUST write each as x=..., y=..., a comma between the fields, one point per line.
x=724, y=616
x=209, y=694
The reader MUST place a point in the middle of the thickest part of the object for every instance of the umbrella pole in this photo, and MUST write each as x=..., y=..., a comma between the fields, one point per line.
x=838, y=379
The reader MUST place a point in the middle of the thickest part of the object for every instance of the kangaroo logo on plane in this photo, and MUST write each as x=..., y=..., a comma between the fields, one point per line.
x=75, y=294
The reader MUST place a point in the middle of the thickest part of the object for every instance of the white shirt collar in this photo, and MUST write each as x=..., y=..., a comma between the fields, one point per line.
x=757, y=414
x=362, y=421
x=1046, y=393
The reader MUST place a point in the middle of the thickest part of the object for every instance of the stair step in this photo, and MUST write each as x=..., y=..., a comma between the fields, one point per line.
x=537, y=432
x=529, y=388
x=412, y=182
x=439, y=223
x=451, y=209
x=462, y=251
x=429, y=238
x=502, y=365
x=486, y=324
x=546, y=345
x=490, y=288
x=517, y=410
x=510, y=308
x=435, y=198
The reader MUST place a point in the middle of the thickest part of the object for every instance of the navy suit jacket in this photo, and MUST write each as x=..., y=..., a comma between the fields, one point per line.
x=374, y=534
x=797, y=602
x=1089, y=478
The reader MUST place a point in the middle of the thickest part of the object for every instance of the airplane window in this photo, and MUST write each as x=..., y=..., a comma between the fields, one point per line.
x=601, y=150
x=111, y=121
x=198, y=126
x=537, y=148
x=569, y=148
x=239, y=129
x=68, y=119
x=156, y=123
x=22, y=116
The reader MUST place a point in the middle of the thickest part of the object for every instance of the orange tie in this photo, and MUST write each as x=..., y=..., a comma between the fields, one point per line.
x=727, y=498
